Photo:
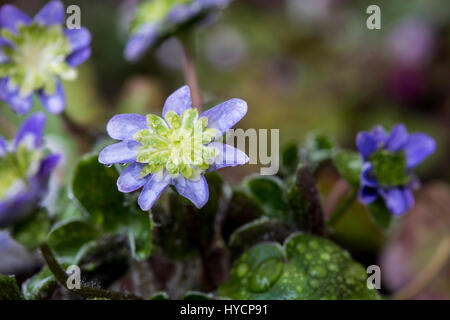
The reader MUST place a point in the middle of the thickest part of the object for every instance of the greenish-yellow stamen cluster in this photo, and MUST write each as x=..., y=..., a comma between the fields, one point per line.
x=179, y=147
x=16, y=166
x=36, y=58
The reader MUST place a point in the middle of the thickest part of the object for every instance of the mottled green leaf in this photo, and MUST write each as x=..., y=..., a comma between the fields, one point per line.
x=289, y=158
x=349, y=164
x=39, y=286
x=9, y=289
x=306, y=267
x=33, y=231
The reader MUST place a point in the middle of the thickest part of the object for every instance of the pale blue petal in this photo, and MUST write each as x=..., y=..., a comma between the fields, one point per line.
x=129, y=179
x=227, y=156
x=196, y=191
x=122, y=152
x=397, y=138
x=178, y=102
x=56, y=102
x=124, y=126
x=417, y=148
x=152, y=191
x=11, y=17
x=32, y=127
x=52, y=13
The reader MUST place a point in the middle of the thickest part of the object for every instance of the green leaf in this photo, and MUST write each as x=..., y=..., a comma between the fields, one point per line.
x=196, y=295
x=94, y=186
x=140, y=235
x=9, y=289
x=306, y=267
x=39, y=286
x=319, y=148
x=159, y=296
x=289, y=158
x=263, y=229
x=70, y=239
x=349, y=164
x=33, y=231
x=304, y=201
x=269, y=193
x=380, y=214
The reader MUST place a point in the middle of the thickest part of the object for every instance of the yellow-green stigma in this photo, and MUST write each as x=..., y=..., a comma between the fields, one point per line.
x=16, y=167
x=178, y=147
x=36, y=58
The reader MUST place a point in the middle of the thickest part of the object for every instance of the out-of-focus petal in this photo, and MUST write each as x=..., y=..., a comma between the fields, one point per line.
x=78, y=38
x=367, y=179
x=78, y=57
x=417, y=148
x=129, y=179
x=196, y=191
x=183, y=12
x=397, y=138
x=48, y=164
x=11, y=17
x=367, y=195
x=379, y=134
x=52, y=13
x=178, y=102
x=122, y=152
x=124, y=126
x=366, y=144
x=398, y=200
x=141, y=41
x=32, y=127
x=56, y=102
x=227, y=156
x=11, y=95
x=152, y=191
x=3, y=146
x=225, y=115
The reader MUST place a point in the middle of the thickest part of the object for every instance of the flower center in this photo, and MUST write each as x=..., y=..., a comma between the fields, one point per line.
x=178, y=145
x=16, y=167
x=390, y=168
x=36, y=57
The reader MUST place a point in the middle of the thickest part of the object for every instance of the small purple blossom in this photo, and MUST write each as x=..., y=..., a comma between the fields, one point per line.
x=159, y=19
x=36, y=54
x=176, y=150
x=25, y=170
x=388, y=161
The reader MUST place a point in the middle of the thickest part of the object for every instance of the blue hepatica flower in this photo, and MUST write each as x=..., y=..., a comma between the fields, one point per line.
x=176, y=150
x=388, y=161
x=25, y=169
x=156, y=20
x=36, y=54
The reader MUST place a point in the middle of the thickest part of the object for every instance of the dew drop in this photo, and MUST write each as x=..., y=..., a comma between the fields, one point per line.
x=265, y=275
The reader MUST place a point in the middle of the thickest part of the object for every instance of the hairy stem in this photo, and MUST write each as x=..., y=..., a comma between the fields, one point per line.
x=190, y=73
x=82, y=134
x=432, y=269
x=340, y=211
x=84, y=291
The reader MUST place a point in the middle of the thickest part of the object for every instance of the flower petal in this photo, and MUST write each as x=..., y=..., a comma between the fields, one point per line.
x=183, y=12
x=225, y=115
x=366, y=144
x=228, y=156
x=178, y=102
x=11, y=17
x=367, y=195
x=152, y=191
x=51, y=13
x=397, y=138
x=398, y=200
x=417, y=148
x=78, y=38
x=196, y=191
x=140, y=42
x=124, y=126
x=32, y=127
x=78, y=57
x=129, y=179
x=379, y=134
x=54, y=103
x=10, y=94
x=48, y=164
x=3, y=146
x=122, y=152
x=367, y=179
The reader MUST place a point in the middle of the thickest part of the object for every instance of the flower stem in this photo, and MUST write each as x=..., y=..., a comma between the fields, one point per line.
x=340, y=211
x=84, y=291
x=190, y=73
x=82, y=134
